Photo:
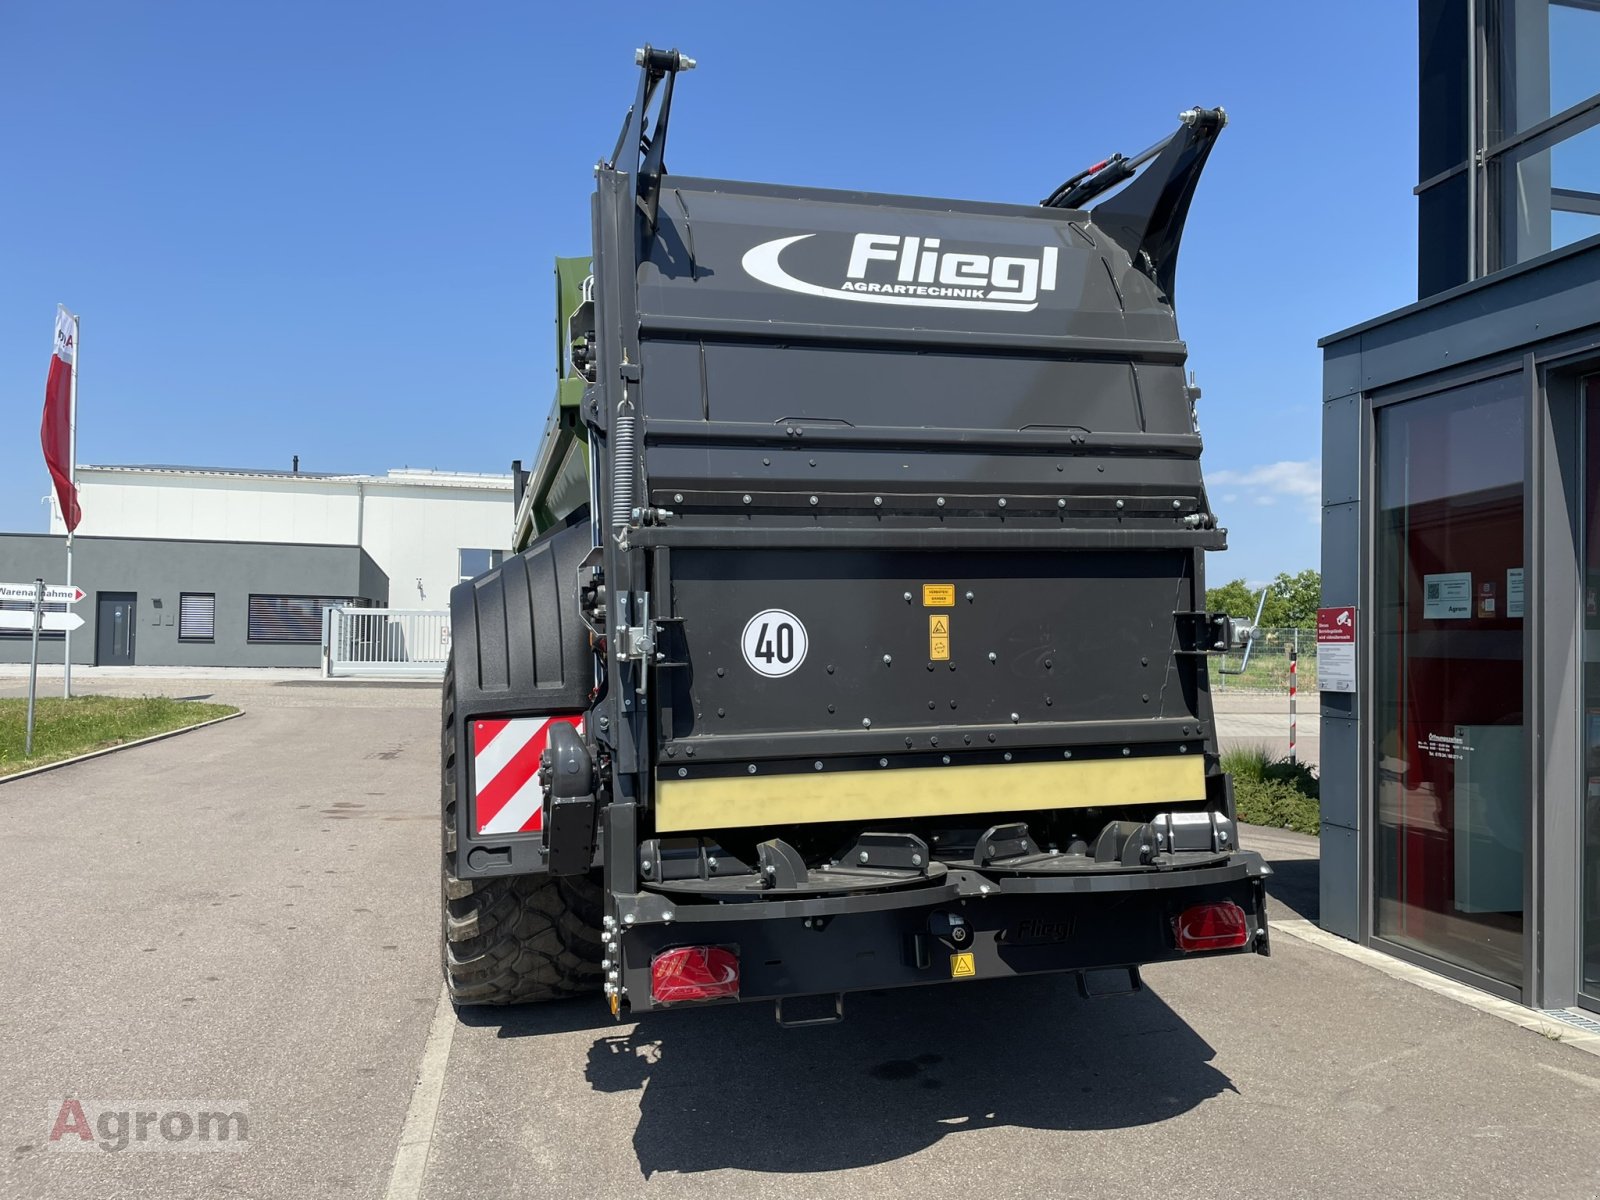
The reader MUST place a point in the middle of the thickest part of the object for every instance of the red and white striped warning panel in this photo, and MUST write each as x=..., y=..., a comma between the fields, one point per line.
x=505, y=773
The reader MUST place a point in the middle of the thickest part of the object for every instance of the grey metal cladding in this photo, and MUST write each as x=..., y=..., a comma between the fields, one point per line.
x=1500, y=314
x=1341, y=554
x=1341, y=369
x=1340, y=748
x=1341, y=450
x=1337, y=909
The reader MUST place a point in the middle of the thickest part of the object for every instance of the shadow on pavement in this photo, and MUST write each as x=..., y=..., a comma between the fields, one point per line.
x=1295, y=885
x=727, y=1087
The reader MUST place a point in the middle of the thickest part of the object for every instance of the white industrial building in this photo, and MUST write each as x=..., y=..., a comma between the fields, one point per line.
x=426, y=530
x=206, y=566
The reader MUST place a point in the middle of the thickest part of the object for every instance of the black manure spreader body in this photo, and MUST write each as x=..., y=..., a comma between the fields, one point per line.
x=875, y=652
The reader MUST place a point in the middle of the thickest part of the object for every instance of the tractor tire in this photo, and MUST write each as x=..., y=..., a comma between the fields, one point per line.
x=517, y=939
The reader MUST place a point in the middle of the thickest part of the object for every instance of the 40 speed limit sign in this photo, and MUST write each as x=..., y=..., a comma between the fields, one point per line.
x=774, y=643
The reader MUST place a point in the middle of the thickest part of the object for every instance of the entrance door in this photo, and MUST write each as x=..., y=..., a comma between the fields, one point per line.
x=113, y=629
x=1452, y=804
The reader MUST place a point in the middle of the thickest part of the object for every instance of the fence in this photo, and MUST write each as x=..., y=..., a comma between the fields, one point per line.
x=402, y=642
x=1268, y=667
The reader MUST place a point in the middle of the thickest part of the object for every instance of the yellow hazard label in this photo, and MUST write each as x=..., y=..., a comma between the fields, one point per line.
x=962, y=966
x=938, y=595
x=939, y=636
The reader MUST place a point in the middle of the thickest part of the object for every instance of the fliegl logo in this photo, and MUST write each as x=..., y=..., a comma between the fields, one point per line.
x=913, y=271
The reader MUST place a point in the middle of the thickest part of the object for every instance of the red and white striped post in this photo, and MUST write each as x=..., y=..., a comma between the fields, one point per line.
x=1294, y=662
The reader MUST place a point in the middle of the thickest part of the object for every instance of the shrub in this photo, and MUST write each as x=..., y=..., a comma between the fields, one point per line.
x=1278, y=804
x=1302, y=776
x=1273, y=791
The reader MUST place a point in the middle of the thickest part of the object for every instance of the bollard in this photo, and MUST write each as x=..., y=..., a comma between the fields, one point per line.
x=1294, y=661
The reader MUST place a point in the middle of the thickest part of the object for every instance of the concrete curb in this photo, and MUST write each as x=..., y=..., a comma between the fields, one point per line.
x=144, y=741
x=1528, y=1018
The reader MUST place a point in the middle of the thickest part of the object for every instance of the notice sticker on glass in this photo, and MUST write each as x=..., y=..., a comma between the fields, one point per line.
x=1514, y=592
x=1447, y=597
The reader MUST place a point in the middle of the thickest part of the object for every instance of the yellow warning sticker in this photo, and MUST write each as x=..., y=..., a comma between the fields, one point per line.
x=962, y=966
x=938, y=595
x=939, y=636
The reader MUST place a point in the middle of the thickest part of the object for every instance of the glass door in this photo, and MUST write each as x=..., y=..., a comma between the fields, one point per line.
x=1589, y=803
x=1450, y=794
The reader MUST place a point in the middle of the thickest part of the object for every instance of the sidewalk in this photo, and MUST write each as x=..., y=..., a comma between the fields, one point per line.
x=1293, y=892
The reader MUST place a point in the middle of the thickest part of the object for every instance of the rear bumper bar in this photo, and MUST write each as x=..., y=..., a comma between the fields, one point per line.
x=1014, y=926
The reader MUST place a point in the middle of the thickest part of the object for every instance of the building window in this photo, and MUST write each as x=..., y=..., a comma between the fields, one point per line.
x=473, y=563
x=197, y=616
x=26, y=633
x=289, y=620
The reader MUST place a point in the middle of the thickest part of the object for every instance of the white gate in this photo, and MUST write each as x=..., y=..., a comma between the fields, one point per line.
x=399, y=642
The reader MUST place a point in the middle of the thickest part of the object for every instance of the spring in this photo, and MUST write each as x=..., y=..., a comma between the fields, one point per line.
x=622, y=465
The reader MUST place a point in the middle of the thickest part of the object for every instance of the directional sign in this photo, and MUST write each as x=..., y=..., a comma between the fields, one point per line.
x=50, y=622
x=54, y=593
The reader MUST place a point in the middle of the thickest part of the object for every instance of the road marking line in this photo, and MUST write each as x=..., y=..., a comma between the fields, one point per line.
x=416, y=1135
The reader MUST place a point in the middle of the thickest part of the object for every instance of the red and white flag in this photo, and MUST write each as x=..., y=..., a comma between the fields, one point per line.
x=55, y=431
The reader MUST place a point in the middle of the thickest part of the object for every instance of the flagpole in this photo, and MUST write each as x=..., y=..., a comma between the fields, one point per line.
x=72, y=487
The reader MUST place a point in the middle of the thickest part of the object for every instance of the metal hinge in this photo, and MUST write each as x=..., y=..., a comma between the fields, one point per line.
x=637, y=643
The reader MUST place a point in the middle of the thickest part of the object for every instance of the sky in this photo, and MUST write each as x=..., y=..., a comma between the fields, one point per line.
x=327, y=229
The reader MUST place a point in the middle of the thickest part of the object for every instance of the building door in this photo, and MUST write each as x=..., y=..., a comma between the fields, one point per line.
x=113, y=629
x=1451, y=801
x=1589, y=798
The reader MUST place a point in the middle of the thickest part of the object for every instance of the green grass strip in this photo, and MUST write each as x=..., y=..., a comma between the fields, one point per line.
x=65, y=728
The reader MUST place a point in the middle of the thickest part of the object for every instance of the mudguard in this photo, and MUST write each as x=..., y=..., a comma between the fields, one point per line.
x=522, y=658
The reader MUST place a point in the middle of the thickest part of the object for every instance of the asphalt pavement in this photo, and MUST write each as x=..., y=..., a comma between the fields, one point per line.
x=244, y=919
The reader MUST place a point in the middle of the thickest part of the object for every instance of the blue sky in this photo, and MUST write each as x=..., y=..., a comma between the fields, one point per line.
x=326, y=229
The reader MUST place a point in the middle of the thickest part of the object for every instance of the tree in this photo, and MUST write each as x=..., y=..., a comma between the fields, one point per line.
x=1292, y=600
x=1235, y=598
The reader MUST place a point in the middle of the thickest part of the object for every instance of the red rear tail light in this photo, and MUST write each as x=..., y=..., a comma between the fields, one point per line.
x=1211, y=927
x=694, y=973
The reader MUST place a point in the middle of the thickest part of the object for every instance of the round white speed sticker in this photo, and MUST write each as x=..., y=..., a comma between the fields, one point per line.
x=774, y=643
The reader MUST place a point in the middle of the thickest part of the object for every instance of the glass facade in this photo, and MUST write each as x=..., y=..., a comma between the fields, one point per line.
x=1461, y=513
x=1540, y=139
x=1451, y=806
x=1509, y=166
